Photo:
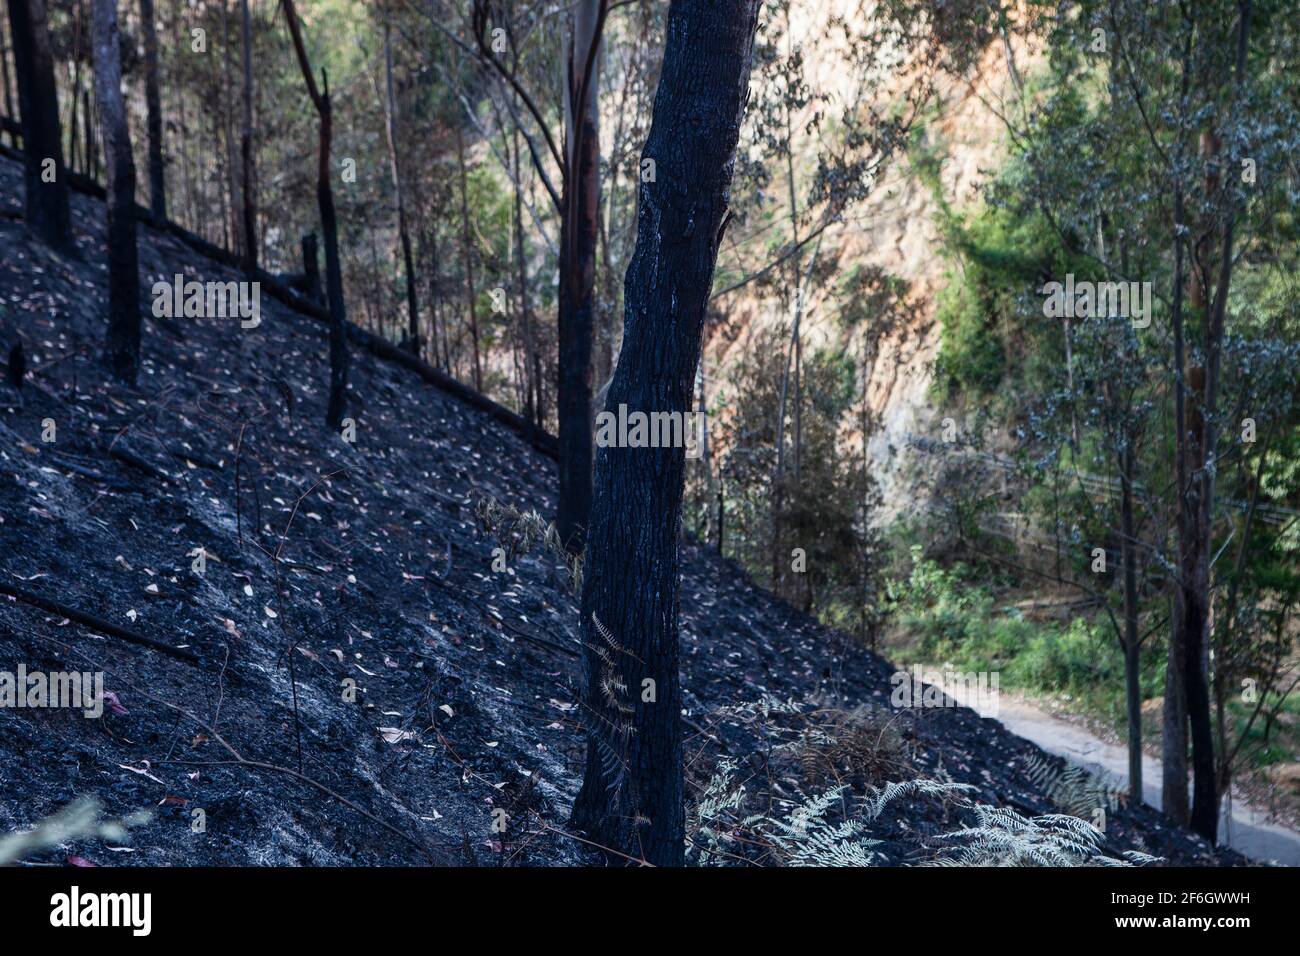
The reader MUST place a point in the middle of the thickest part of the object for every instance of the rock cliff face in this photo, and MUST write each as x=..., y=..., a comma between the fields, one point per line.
x=896, y=230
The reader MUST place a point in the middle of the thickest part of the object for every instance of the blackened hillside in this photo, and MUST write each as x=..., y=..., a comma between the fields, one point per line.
x=333, y=566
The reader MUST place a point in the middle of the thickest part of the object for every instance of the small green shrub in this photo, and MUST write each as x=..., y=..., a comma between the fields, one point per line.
x=942, y=615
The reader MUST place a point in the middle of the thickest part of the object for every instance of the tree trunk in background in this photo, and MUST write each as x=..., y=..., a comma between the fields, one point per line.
x=778, y=481
x=311, y=268
x=579, y=232
x=1173, y=744
x=233, y=162
x=532, y=362
x=1194, y=538
x=429, y=257
x=1205, y=797
x=1132, y=646
x=329, y=223
x=408, y=262
x=123, y=262
x=153, y=104
x=74, y=90
x=46, y=206
x=246, y=154
x=632, y=792
x=333, y=268
x=91, y=143
x=9, y=94
x=467, y=246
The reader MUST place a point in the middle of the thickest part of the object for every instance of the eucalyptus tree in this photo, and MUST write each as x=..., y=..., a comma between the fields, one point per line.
x=338, y=342
x=46, y=205
x=153, y=113
x=632, y=797
x=123, y=255
x=1157, y=154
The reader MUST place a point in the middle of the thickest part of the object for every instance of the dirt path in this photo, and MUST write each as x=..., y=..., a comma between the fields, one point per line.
x=1247, y=830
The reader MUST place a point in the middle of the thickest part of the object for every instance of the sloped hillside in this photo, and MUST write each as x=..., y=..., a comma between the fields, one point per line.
x=335, y=567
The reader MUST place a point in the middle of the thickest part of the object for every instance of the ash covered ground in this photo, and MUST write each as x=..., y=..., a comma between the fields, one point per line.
x=332, y=566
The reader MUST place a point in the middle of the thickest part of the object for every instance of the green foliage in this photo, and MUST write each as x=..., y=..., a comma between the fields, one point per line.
x=1075, y=789
x=971, y=358
x=943, y=614
x=986, y=310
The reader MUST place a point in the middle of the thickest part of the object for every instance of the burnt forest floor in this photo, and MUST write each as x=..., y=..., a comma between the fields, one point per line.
x=334, y=566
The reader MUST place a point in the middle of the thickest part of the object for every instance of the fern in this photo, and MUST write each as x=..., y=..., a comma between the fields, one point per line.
x=609, y=734
x=1002, y=837
x=521, y=531
x=806, y=838
x=874, y=804
x=1073, y=788
x=823, y=825
x=77, y=821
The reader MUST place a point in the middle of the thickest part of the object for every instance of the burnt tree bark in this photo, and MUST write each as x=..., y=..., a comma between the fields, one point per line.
x=632, y=793
x=234, y=230
x=46, y=206
x=403, y=230
x=579, y=234
x=320, y=98
x=467, y=248
x=578, y=206
x=123, y=256
x=153, y=107
x=247, y=184
x=1132, y=642
x=311, y=268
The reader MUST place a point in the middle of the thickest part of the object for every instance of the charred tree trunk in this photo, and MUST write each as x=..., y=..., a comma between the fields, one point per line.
x=153, y=105
x=123, y=262
x=404, y=234
x=91, y=144
x=532, y=391
x=311, y=268
x=320, y=98
x=74, y=90
x=632, y=793
x=579, y=234
x=232, y=161
x=333, y=267
x=467, y=248
x=1132, y=645
x=246, y=152
x=46, y=206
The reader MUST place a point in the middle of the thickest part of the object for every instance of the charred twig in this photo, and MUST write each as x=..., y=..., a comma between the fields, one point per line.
x=544, y=642
x=97, y=623
x=138, y=463
x=276, y=561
